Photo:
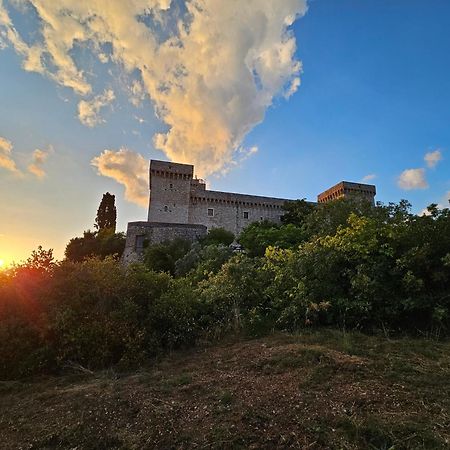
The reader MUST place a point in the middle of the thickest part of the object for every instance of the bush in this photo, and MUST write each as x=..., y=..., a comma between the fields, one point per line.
x=360, y=268
x=218, y=237
x=201, y=262
x=100, y=244
x=163, y=257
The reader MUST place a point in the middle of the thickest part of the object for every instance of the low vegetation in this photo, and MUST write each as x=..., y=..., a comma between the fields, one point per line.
x=104, y=335
x=345, y=265
x=319, y=389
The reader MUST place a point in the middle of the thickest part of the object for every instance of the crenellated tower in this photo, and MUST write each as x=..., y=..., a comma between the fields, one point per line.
x=170, y=186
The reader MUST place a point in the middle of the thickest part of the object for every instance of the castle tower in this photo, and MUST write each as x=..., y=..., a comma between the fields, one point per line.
x=170, y=186
x=346, y=189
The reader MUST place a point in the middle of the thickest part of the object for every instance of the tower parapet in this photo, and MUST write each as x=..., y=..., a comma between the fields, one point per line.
x=347, y=189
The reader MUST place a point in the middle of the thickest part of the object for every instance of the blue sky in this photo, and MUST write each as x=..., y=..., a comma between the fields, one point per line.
x=374, y=99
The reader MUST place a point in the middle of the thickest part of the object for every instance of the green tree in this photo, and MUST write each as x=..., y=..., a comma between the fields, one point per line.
x=327, y=217
x=101, y=244
x=106, y=213
x=218, y=236
x=296, y=212
x=200, y=262
x=162, y=257
x=259, y=235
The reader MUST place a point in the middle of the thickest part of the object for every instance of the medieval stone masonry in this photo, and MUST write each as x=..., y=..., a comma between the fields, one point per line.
x=181, y=206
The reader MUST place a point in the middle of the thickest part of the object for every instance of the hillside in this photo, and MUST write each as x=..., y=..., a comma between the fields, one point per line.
x=316, y=391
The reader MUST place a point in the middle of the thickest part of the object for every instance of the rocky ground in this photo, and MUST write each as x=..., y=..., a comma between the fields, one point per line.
x=320, y=390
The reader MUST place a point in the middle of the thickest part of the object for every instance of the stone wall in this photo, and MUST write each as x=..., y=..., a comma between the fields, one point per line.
x=177, y=197
x=140, y=234
x=233, y=211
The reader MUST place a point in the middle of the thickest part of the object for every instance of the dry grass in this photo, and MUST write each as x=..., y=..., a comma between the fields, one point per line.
x=317, y=391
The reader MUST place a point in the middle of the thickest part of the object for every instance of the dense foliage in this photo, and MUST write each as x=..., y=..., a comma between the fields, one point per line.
x=342, y=264
x=95, y=244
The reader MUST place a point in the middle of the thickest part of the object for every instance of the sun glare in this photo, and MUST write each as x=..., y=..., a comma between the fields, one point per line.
x=2, y=263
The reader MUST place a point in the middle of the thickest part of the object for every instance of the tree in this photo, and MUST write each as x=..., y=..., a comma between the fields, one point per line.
x=80, y=248
x=218, y=236
x=162, y=257
x=101, y=244
x=106, y=213
x=296, y=212
x=201, y=261
x=259, y=235
x=41, y=260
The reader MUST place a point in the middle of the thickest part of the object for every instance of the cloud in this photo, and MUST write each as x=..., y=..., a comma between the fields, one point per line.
x=432, y=158
x=64, y=70
x=127, y=168
x=412, y=179
x=210, y=67
x=368, y=178
x=137, y=93
x=39, y=158
x=88, y=111
x=6, y=161
x=241, y=155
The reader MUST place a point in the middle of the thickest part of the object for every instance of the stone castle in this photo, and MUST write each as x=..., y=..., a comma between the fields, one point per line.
x=180, y=206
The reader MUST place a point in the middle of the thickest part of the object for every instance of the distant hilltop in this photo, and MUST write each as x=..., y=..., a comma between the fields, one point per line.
x=181, y=206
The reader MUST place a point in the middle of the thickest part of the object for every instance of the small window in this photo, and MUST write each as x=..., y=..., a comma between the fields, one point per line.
x=170, y=186
x=210, y=212
x=166, y=208
x=245, y=214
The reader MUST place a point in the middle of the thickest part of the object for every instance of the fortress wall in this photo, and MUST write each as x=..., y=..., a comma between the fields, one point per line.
x=233, y=211
x=182, y=207
x=140, y=234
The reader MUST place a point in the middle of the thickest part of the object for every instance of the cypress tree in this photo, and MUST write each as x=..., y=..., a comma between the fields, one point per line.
x=106, y=214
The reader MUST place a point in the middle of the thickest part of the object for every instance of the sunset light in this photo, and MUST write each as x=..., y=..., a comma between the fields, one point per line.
x=225, y=223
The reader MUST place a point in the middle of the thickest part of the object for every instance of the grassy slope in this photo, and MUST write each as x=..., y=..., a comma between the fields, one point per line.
x=319, y=390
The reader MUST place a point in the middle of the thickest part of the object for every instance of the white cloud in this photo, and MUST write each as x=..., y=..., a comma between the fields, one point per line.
x=412, y=179
x=127, y=168
x=6, y=161
x=211, y=77
x=36, y=166
x=369, y=177
x=65, y=71
x=89, y=111
x=432, y=158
